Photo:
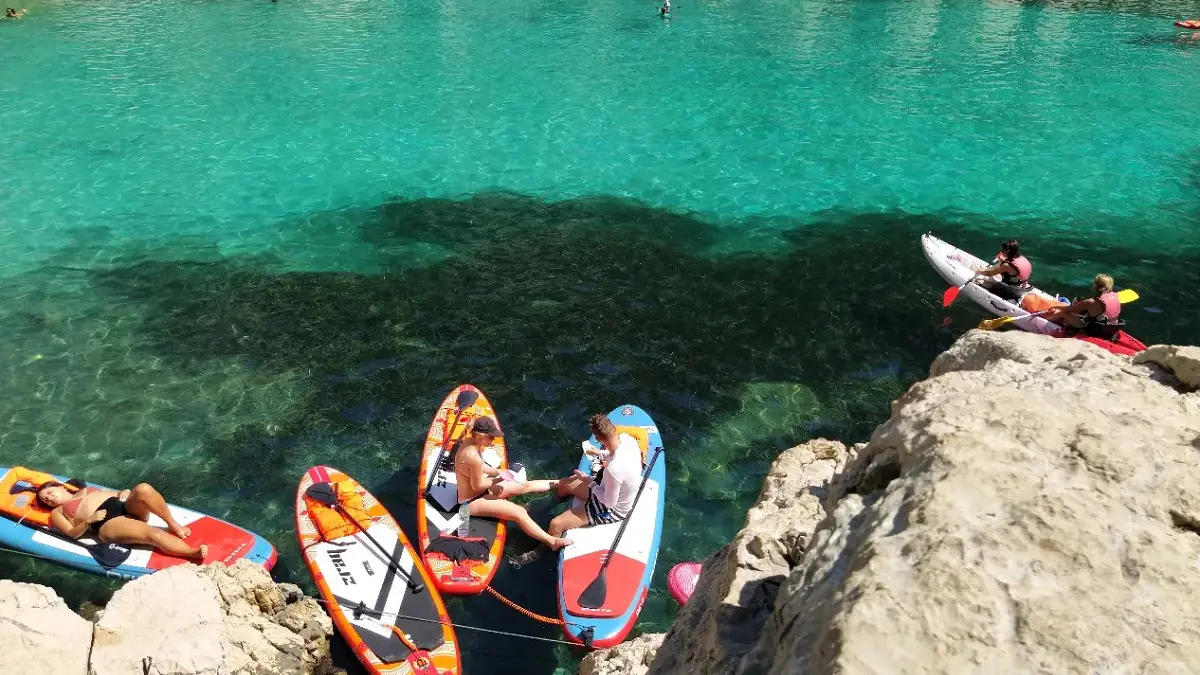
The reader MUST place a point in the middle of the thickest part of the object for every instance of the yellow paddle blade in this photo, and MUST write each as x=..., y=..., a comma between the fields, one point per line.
x=993, y=324
x=1127, y=295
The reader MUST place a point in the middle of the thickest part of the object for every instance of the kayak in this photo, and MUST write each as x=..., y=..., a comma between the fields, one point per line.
x=631, y=568
x=378, y=594
x=437, y=498
x=26, y=527
x=957, y=266
x=681, y=581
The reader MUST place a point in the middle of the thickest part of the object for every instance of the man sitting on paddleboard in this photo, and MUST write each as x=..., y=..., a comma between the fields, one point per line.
x=117, y=517
x=609, y=498
x=486, y=489
x=1090, y=313
x=1014, y=270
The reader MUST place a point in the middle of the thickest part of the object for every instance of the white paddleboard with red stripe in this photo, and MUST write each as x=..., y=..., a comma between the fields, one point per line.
x=631, y=571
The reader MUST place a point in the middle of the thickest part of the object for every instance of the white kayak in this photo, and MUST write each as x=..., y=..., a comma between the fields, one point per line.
x=957, y=266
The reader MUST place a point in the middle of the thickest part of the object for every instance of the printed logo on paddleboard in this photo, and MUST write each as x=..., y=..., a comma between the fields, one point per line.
x=627, y=410
x=335, y=557
x=367, y=567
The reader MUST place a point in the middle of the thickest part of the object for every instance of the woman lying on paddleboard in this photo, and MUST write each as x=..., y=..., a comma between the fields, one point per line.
x=117, y=517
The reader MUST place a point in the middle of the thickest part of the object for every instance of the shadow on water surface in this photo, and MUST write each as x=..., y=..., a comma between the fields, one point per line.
x=221, y=380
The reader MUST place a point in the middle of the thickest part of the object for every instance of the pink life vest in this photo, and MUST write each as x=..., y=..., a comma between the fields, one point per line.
x=1112, y=305
x=1024, y=267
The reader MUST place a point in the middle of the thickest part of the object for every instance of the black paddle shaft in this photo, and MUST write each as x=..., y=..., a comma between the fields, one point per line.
x=329, y=498
x=593, y=596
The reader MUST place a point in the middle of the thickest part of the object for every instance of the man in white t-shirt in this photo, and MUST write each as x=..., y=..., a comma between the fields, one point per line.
x=609, y=498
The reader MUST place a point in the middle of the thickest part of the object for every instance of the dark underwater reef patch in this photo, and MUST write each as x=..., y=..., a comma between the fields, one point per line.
x=221, y=379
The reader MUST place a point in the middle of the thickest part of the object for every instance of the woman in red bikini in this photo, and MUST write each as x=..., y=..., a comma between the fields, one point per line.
x=117, y=517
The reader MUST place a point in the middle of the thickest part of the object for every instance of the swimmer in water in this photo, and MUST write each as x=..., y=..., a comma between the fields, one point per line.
x=11, y=13
x=665, y=11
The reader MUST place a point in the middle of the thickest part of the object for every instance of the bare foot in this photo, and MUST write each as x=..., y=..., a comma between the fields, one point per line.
x=180, y=531
x=559, y=543
x=201, y=553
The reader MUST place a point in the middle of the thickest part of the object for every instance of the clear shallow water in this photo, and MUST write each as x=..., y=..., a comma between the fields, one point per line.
x=244, y=238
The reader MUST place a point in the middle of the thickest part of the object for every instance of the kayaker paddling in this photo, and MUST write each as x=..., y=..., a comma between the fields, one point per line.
x=1014, y=270
x=1090, y=314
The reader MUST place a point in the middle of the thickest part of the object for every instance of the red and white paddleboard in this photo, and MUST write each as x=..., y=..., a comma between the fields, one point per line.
x=24, y=526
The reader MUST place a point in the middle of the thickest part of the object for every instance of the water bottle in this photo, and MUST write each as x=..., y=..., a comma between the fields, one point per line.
x=464, y=524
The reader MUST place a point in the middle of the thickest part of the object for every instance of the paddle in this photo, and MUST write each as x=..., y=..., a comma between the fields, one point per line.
x=323, y=493
x=1125, y=296
x=952, y=293
x=465, y=399
x=593, y=596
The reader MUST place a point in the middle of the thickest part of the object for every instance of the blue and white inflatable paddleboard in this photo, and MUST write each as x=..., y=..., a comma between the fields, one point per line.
x=24, y=527
x=631, y=570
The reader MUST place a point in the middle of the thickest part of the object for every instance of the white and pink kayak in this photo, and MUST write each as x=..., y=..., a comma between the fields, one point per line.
x=957, y=266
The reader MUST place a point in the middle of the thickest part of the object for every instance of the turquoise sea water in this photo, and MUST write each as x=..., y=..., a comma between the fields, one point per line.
x=242, y=238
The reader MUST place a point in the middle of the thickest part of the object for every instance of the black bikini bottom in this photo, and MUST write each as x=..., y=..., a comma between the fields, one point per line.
x=113, y=508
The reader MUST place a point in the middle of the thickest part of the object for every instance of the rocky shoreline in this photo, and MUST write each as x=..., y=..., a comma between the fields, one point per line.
x=1032, y=507
x=184, y=620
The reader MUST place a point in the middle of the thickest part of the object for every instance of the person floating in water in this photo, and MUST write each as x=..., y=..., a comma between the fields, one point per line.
x=11, y=13
x=665, y=11
x=1014, y=270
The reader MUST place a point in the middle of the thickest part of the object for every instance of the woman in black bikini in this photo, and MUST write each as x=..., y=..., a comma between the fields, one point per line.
x=117, y=517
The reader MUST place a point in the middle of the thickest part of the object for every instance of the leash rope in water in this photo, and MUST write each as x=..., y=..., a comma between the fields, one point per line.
x=531, y=614
x=398, y=615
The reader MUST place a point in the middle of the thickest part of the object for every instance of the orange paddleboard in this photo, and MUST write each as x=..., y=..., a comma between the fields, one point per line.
x=374, y=586
x=437, y=495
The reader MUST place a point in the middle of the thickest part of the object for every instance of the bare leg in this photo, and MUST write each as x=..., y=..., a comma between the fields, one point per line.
x=513, y=488
x=505, y=510
x=569, y=520
x=572, y=486
x=144, y=500
x=130, y=531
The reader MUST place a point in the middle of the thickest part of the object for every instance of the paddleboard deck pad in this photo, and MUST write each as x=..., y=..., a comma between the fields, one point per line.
x=632, y=568
x=364, y=578
x=437, y=499
x=956, y=266
x=25, y=526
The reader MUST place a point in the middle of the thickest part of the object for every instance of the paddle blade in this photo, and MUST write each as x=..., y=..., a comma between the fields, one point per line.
x=594, y=595
x=466, y=399
x=949, y=296
x=1127, y=295
x=322, y=493
x=993, y=324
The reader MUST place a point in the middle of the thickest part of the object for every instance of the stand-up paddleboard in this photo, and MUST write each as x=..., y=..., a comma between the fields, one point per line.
x=681, y=581
x=374, y=587
x=25, y=526
x=437, y=496
x=956, y=266
x=628, y=576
